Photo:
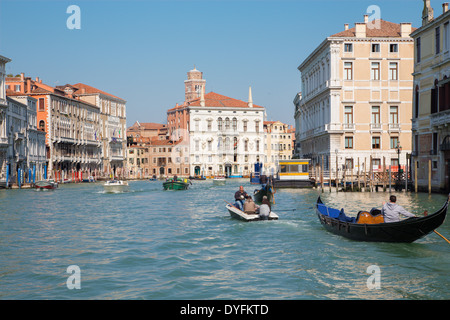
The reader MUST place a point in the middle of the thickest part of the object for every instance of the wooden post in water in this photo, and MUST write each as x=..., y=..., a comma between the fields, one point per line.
x=429, y=176
x=371, y=175
x=336, y=181
x=359, y=181
x=384, y=174
x=390, y=179
x=352, y=168
x=315, y=176
x=365, y=166
x=321, y=176
x=416, y=167
x=406, y=174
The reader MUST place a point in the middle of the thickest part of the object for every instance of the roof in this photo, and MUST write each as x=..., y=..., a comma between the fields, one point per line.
x=147, y=126
x=90, y=90
x=213, y=99
x=387, y=29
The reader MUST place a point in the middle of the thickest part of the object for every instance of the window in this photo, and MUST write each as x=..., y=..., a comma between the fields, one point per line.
x=209, y=125
x=393, y=71
x=375, y=74
x=375, y=114
x=446, y=37
x=348, y=116
x=375, y=47
x=41, y=104
x=257, y=126
x=219, y=124
x=245, y=125
x=348, y=142
x=416, y=103
x=257, y=145
x=227, y=124
x=375, y=142
x=234, y=124
x=418, y=50
x=348, y=47
x=349, y=164
x=394, y=142
x=42, y=125
x=348, y=70
x=393, y=115
x=393, y=47
x=437, y=38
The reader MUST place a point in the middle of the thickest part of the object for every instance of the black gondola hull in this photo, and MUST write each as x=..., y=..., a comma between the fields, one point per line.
x=408, y=230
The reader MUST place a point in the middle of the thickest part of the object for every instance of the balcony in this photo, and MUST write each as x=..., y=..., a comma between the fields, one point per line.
x=440, y=118
x=3, y=141
x=376, y=127
x=394, y=127
x=348, y=127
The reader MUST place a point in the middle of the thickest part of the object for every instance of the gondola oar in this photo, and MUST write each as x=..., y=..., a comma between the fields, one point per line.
x=425, y=213
x=440, y=235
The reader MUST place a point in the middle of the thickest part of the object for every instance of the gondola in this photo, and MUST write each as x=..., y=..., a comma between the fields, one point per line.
x=408, y=230
x=266, y=190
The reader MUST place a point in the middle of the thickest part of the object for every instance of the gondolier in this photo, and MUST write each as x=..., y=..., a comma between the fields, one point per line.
x=392, y=211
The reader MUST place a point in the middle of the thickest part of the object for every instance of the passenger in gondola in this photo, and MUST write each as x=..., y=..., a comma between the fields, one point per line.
x=392, y=211
x=175, y=178
x=239, y=198
x=250, y=207
x=264, y=209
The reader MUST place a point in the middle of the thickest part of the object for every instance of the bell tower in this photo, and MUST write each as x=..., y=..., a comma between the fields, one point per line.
x=194, y=85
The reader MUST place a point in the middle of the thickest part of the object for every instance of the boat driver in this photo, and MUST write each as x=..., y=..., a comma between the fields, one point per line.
x=239, y=198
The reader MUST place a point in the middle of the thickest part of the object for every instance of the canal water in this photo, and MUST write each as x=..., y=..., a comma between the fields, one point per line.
x=153, y=244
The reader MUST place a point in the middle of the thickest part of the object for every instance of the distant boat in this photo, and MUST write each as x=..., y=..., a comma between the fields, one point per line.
x=46, y=184
x=241, y=215
x=176, y=184
x=377, y=230
x=116, y=186
x=89, y=179
x=219, y=181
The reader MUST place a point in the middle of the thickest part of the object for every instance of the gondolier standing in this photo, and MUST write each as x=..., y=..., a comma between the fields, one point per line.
x=392, y=211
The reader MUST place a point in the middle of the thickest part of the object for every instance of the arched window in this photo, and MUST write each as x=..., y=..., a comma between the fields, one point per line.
x=234, y=124
x=219, y=124
x=42, y=125
x=227, y=123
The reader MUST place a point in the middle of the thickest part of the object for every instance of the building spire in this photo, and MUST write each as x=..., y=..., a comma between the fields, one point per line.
x=250, y=100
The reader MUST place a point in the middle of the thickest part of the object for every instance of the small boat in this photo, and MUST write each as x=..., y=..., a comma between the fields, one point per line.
x=89, y=179
x=241, y=215
x=370, y=226
x=116, y=186
x=219, y=181
x=176, y=184
x=266, y=190
x=46, y=184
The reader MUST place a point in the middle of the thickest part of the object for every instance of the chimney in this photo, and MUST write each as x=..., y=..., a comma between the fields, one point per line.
x=83, y=90
x=405, y=30
x=250, y=99
x=427, y=13
x=346, y=26
x=444, y=7
x=37, y=79
x=202, y=97
x=360, y=30
x=22, y=76
x=366, y=18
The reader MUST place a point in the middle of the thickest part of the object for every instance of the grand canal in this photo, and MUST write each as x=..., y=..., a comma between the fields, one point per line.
x=153, y=244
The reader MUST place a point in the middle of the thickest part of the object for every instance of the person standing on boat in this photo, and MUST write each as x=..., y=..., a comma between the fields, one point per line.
x=240, y=197
x=264, y=209
x=392, y=211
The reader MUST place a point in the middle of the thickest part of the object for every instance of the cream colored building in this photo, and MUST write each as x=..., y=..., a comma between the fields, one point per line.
x=431, y=106
x=356, y=97
x=278, y=145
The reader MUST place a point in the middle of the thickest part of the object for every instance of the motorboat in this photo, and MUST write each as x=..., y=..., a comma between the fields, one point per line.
x=46, y=184
x=116, y=186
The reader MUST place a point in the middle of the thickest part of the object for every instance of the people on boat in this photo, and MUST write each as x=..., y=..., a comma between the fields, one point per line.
x=239, y=198
x=264, y=209
x=175, y=178
x=250, y=207
x=392, y=211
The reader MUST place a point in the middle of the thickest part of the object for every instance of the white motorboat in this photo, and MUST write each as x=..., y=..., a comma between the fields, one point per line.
x=116, y=186
x=241, y=215
x=219, y=181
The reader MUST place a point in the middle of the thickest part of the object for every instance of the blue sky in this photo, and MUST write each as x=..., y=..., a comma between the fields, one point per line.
x=141, y=50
